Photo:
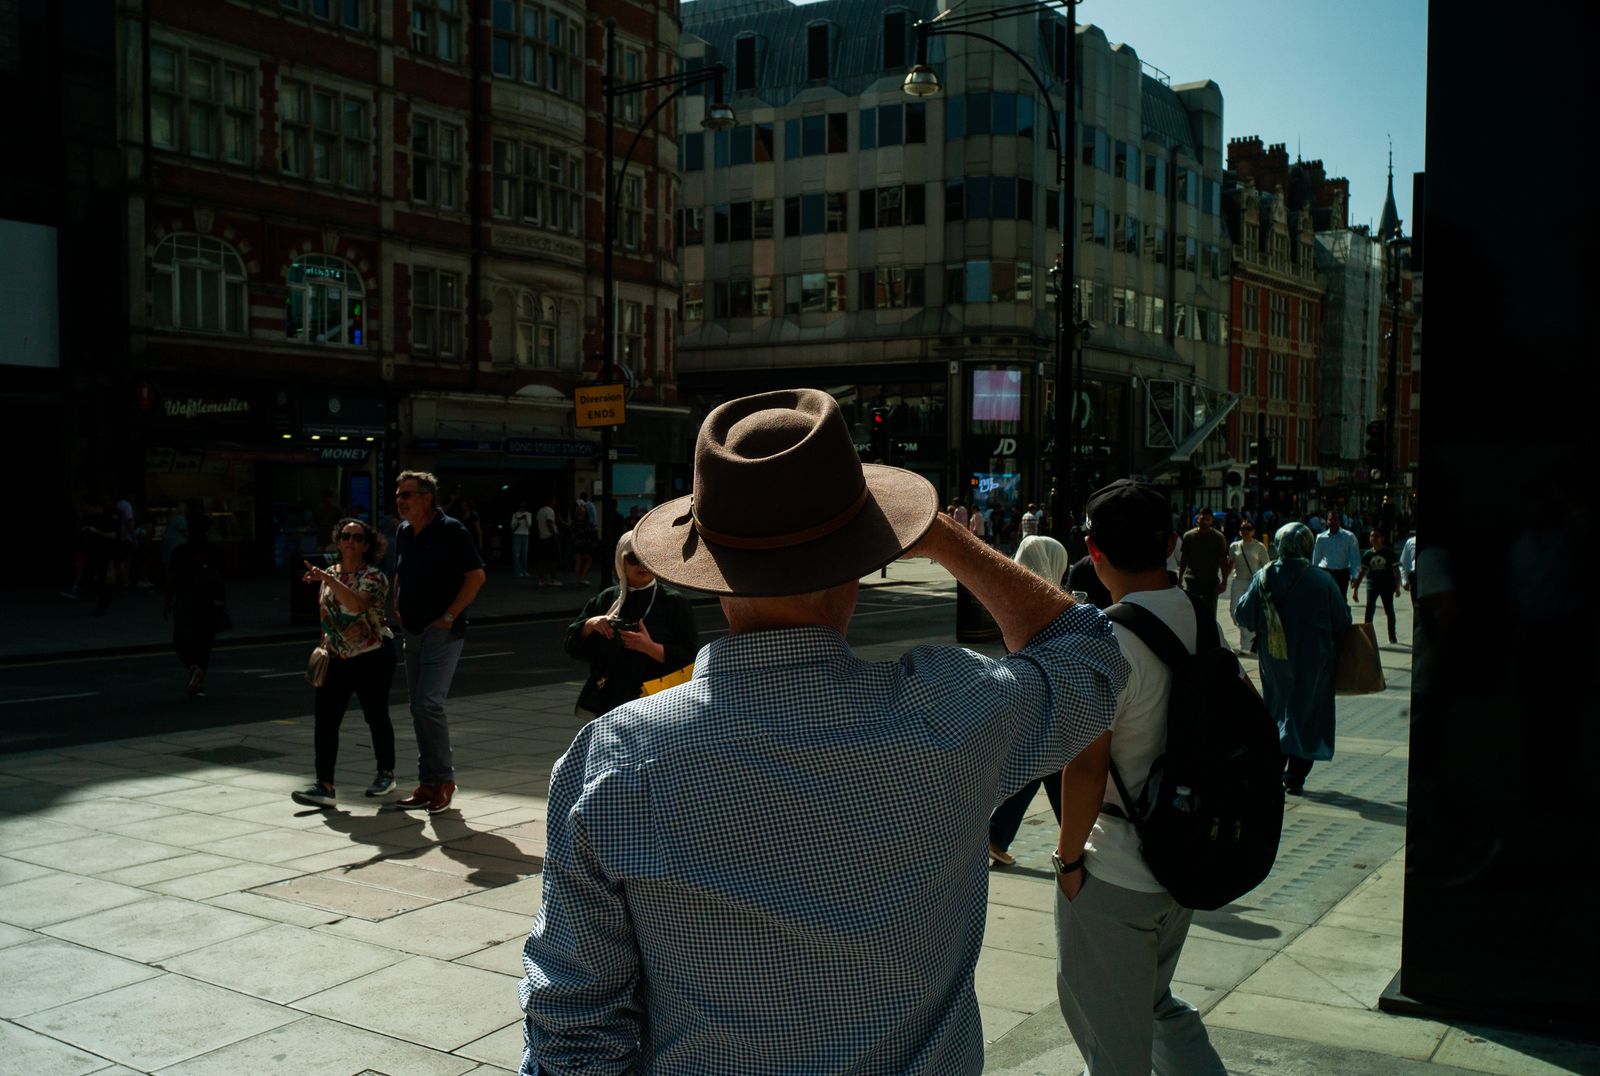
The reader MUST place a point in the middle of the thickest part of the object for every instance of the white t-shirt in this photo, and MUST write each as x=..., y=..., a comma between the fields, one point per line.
x=1138, y=736
x=1248, y=558
x=1030, y=523
x=521, y=521
x=547, y=522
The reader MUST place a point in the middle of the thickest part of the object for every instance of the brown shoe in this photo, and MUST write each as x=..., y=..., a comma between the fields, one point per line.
x=442, y=794
x=421, y=796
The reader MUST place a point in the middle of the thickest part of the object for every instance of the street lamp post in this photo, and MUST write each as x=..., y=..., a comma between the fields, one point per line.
x=719, y=117
x=923, y=81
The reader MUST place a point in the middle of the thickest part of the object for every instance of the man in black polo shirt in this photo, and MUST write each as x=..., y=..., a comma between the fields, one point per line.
x=437, y=574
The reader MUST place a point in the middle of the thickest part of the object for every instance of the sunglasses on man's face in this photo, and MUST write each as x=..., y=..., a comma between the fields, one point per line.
x=352, y=536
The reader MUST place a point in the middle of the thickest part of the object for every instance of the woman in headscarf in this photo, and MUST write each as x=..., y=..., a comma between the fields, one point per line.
x=1046, y=558
x=635, y=631
x=1299, y=612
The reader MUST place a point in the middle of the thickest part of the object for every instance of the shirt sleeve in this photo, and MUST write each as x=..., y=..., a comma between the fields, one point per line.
x=1067, y=680
x=579, y=994
x=464, y=554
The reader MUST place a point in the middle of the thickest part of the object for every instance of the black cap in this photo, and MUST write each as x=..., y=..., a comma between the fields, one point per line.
x=1127, y=519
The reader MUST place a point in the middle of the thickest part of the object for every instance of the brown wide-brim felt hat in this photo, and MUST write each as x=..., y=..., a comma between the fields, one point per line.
x=782, y=504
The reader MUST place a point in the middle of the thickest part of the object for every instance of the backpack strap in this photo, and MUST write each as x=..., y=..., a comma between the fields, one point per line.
x=1149, y=630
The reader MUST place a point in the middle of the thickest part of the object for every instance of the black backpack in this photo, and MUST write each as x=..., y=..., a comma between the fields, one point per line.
x=1211, y=812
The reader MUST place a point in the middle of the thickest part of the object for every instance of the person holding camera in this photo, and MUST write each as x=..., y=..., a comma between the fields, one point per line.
x=630, y=633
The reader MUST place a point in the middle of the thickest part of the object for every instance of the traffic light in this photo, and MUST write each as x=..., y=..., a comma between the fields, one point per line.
x=1377, y=450
x=878, y=435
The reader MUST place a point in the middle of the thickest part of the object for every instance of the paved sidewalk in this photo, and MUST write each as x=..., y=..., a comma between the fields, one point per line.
x=164, y=908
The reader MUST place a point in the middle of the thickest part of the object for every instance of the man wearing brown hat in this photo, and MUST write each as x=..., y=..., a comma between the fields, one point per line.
x=780, y=866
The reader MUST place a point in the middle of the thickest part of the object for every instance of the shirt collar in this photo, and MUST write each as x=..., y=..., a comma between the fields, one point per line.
x=783, y=647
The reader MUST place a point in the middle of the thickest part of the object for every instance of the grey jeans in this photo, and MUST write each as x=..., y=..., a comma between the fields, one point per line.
x=431, y=658
x=1116, y=950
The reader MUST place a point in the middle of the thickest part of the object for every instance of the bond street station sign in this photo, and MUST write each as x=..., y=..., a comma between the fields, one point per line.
x=601, y=405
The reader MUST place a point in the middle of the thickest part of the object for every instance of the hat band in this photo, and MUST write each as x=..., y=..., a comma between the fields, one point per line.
x=783, y=541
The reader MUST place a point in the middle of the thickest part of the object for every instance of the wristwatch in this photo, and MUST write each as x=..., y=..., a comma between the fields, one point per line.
x=1065, y=868
x=448, y=618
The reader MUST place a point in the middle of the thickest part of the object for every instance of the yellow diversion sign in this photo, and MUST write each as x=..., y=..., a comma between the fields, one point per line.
x=600, y=405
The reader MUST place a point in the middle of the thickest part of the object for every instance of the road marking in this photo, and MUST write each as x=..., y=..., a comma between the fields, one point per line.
x=496, y=654
x=49, y=698
x=275, y=676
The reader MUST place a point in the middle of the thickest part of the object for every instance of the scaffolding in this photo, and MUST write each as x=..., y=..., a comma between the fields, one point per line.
x=1352, y=264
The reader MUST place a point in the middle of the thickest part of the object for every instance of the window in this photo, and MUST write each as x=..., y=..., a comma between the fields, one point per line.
x=721, y=224
x=887, y=207
x=632, y=201
x=1119, y=161
x=202, y=106
x=813, y=215
x=1305, y=322
x=435, y=163
x=1277, y=377
x=1250, y=315
x=744, y=63
x=1125, y=308
x=818, y=47
x=1302, y=442
x=1278, y=306
x=694, y=302
x=435, y=312
x=1131, y=235
x=630, y=68
x=1155, y=315
x=761, y=219
x=630, y=334
x=1210, y=199
x=538, y=47
x=1191, y=254
x=891, y=125
x=838, y=132
x=815, y=293
x=1093, y=301
x=326, y=303
x=867, y=128
x=1096, y=148
x=538, y=186
x=891, y=289
x=894, y=40
x=1155, y=174
x=1249, y=384
x=838, y=212
x=694, y=151
x=198, y=285
x=692, y=225
x=436, y=29
x=325, y=135
x=538, y=330
x=1180, y=321
x=1304, y=372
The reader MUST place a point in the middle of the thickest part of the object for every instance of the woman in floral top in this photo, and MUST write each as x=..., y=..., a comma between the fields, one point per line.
x=361, y=656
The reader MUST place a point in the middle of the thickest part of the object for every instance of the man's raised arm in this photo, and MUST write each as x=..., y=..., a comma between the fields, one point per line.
x=1020, y=602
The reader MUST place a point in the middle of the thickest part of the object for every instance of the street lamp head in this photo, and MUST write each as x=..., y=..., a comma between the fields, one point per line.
x=719, y=117
x=921, y=81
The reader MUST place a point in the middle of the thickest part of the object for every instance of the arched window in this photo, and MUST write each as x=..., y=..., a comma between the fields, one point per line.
x=198, y=284
x=326, y=303
x=538, y=330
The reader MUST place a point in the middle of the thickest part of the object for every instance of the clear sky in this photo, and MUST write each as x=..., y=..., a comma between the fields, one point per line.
x=1334, y=80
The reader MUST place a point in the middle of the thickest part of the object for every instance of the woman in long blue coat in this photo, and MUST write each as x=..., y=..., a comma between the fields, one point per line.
x=1297, y=612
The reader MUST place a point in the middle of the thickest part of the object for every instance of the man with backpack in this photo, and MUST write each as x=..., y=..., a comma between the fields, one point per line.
x=1120, y=930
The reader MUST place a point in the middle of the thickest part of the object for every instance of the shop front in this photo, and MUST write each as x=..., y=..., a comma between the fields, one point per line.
x=1001, y=463
x=265, y=468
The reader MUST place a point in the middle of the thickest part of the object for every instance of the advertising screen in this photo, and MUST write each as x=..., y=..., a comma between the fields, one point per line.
x=997, y=395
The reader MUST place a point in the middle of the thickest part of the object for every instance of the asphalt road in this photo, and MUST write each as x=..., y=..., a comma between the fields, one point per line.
x=92, y=700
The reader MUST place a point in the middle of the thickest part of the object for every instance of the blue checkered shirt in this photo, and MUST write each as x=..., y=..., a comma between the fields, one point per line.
x=780, y=867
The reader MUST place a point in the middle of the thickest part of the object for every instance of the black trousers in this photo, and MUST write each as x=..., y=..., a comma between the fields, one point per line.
x=1340, y=576
x=368, y=677
x=1295, y=770
x=1007, y=817
x=1387, y=594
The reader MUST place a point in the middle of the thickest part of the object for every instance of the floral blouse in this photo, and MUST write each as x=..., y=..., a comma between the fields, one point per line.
x=349, y=633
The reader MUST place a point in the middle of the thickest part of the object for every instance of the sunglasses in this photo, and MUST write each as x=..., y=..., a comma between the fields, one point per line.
x=352, y=536
x=630, y=560
x=407, y=494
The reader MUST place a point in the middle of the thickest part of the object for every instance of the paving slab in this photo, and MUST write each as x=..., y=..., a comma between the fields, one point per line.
x=1328, y=1025
x=402, y=1001
x=232, y=878
x=164, y=870
x=45, y=973
x=506, y=958
x=443, y=931
x=1322, y=980
x=158, y=1022
x=343, y=897
x=275, y=911
x=404, y=878
x=282, y=963
x=273, y=845
x=187, y=828
x=28, y=1052
x=155, y=928
x=56, y=898
x=15, y=870
x=96, y=854
x=502, y=1048
x=10, y=935
x=1477, y=1048
x=522, y=897
x=1016, y=981
x=25, y=831
x=1246, y=1053
x=313, y=1044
